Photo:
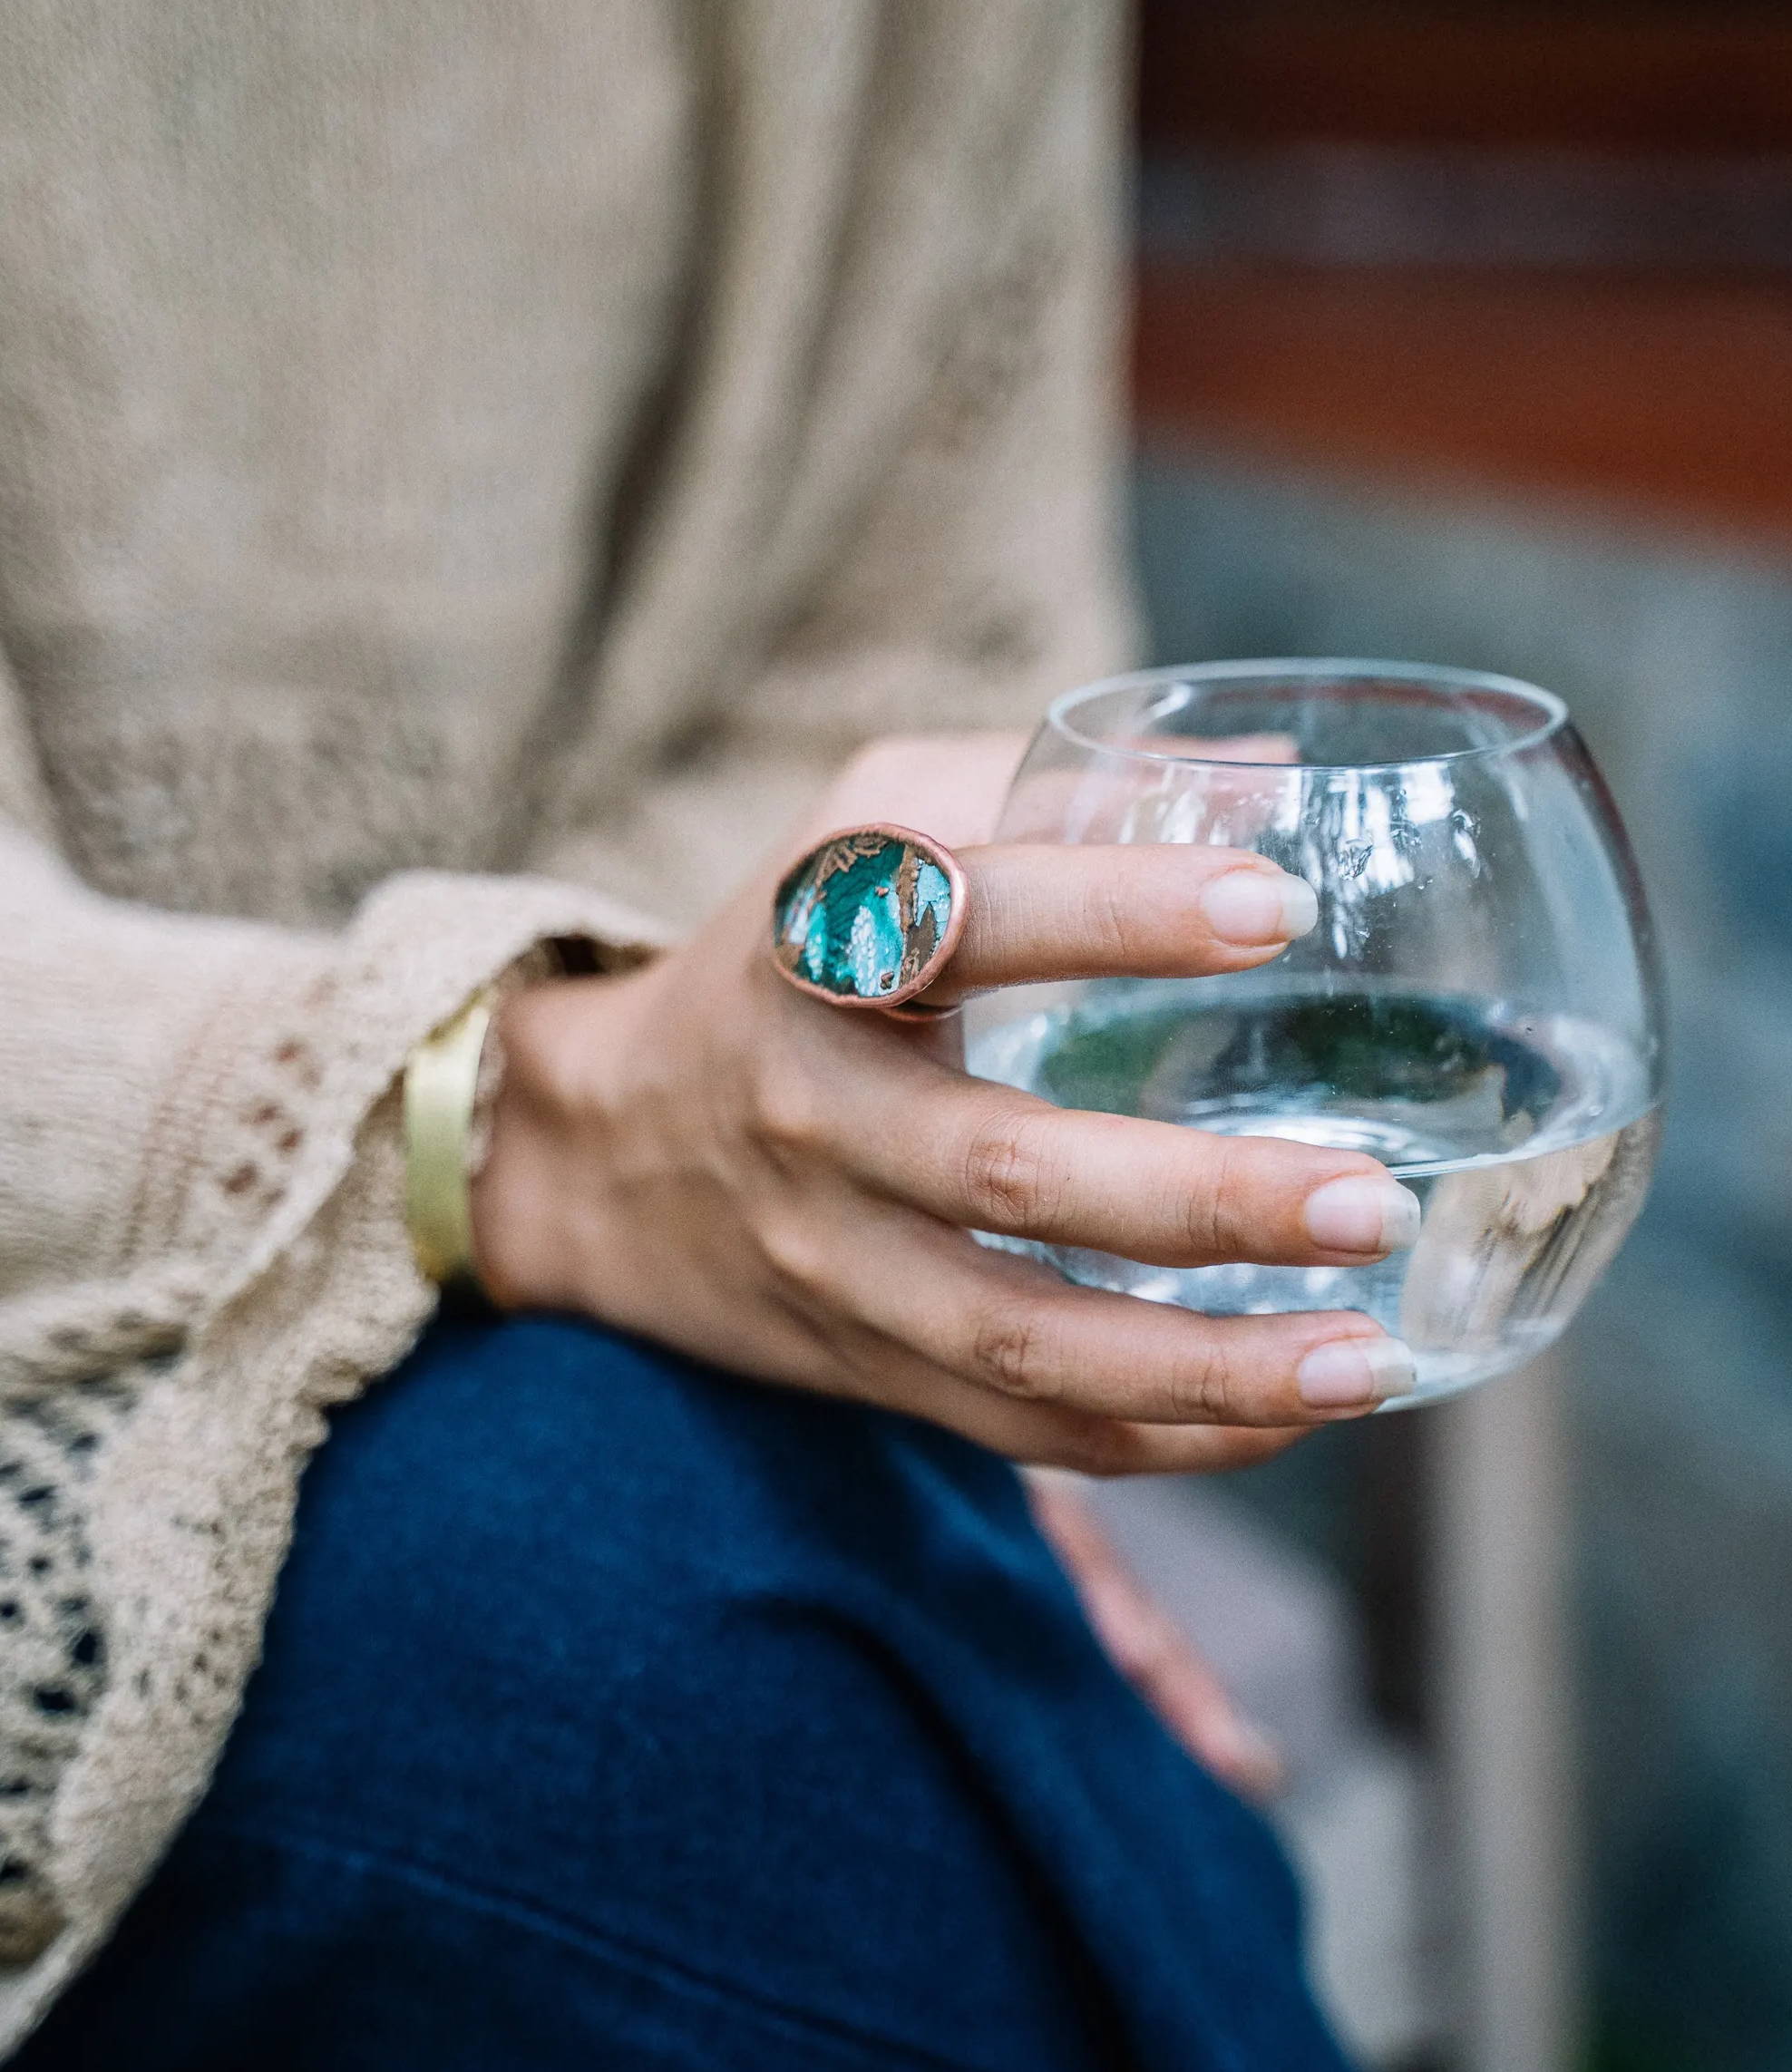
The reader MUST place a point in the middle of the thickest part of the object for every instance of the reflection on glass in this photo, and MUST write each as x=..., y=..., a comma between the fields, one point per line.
x=1478, y=1006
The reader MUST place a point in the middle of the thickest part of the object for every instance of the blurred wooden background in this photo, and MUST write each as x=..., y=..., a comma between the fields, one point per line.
x=1539, y=246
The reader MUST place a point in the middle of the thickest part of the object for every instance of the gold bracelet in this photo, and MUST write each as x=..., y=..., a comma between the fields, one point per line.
x=441, y=1089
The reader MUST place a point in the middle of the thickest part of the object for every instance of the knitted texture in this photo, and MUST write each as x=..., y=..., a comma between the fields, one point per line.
x=438, y=445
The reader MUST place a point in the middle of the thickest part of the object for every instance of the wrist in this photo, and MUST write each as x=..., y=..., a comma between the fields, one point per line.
x=521, y=1240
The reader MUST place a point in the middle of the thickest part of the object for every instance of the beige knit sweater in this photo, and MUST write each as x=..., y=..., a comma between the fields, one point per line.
x=439, y=441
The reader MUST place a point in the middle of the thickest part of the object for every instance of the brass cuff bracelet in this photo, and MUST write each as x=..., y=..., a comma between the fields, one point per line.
x=442, y=1085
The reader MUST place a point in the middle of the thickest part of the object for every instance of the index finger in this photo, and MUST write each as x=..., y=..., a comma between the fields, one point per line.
x=1052, y=911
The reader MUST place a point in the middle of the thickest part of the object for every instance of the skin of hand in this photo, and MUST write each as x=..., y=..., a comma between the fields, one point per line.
x=1148, y=1647
x=698, y=1153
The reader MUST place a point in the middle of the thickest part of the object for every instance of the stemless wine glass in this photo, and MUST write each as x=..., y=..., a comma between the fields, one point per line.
x=1479, y=1005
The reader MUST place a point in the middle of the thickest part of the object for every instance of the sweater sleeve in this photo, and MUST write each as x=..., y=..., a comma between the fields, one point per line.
x=181, y=1095
x=201, y=1247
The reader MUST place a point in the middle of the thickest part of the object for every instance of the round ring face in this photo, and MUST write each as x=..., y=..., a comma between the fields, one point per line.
x=868, y=917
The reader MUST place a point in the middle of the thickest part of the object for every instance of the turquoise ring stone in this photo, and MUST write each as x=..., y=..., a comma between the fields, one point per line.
x=869, y=918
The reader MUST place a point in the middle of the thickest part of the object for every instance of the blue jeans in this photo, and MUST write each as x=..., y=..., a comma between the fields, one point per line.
x=617, y=1715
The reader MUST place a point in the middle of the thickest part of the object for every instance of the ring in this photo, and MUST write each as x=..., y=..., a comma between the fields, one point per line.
x=869, y=918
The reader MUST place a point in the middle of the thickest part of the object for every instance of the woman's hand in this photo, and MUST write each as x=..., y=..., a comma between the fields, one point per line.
x=699, y=1152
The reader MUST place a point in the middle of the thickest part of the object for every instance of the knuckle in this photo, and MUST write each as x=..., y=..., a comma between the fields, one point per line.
x=902, y=748
x=1110, y=922
x=1202, y=1392
x=893, y=759
x=787, y=1113
x=1008, y=1173
x=796, y=1252
x=1216, y=1212
x=1009, y=1350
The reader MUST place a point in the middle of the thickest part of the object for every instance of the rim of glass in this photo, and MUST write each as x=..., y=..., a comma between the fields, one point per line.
x=1553, y=709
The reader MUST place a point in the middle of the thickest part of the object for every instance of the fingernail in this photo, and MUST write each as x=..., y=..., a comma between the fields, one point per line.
x=1363, y=1212
x=1345, y=1371
x=1252, y=908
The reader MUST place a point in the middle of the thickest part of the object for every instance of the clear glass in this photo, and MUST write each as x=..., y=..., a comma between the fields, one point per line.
x=1478, y=1007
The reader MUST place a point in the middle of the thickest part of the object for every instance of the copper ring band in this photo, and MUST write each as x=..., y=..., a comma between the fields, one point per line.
x=919, y=1011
